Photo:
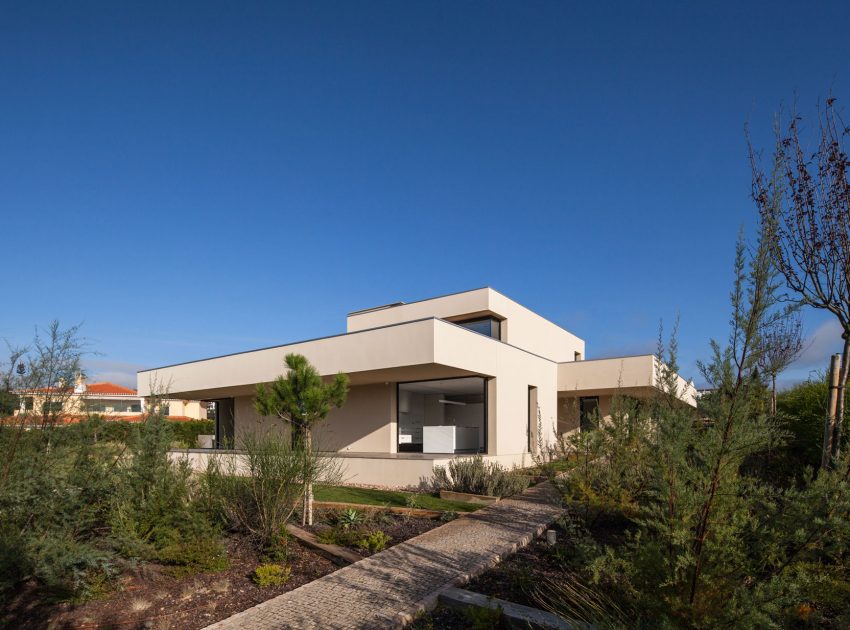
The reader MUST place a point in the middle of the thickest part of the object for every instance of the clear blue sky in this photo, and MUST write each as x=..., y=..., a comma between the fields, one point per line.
x=191, y=180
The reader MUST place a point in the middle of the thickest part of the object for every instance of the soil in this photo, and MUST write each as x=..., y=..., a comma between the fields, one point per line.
x=151, y=597
x=515, y=578
x=397, y=526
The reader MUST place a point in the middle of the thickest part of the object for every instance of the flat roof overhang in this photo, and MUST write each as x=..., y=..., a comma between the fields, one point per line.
x=637, y=376
x=417, y=350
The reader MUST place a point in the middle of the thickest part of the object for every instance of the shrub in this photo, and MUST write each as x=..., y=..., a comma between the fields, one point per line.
x=802, y=410
x=475, y=476
x=412, y=502
x=349, y=518
x=480, y=618
x=448, y=516
x=374, y=542
x=53, y=504
x=278, y=549
x=267, y=575
x=191, y=556
x=339, y=536
x=156, y=511
x=260, y=491
x=187, y=432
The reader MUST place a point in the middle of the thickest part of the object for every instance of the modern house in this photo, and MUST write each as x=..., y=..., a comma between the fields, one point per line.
x=470, y=372
x=105, y=399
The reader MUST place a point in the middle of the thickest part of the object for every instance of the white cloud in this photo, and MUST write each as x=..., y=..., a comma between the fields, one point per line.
x=814, y=360
x=118, y=372
x=823, y=343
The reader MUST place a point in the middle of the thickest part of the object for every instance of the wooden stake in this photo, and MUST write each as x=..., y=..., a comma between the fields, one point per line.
x=831, y=410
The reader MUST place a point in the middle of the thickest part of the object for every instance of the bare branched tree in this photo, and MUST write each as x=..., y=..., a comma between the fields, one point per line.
x=44, y=373
x=782, y=342
x=804, y=207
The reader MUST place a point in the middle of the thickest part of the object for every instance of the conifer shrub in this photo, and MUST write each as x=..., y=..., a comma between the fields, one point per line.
x=710, y=540
x=158, y=515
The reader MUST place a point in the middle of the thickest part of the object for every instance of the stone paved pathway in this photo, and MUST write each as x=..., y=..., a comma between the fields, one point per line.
x=387, y=589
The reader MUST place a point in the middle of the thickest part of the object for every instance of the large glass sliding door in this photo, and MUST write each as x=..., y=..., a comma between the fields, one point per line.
x=443, y=416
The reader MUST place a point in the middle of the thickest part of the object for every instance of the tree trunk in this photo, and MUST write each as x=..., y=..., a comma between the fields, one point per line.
x=844, y=371
x=832, y=404
x=307, y=511
x=773, y=395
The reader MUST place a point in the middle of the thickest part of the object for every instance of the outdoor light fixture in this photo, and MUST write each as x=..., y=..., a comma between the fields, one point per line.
x=452, y=402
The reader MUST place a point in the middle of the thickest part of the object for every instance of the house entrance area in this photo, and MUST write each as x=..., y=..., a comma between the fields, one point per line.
x=443, y=416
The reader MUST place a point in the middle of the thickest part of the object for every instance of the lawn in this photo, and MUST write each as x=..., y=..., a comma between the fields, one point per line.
x=391, y=498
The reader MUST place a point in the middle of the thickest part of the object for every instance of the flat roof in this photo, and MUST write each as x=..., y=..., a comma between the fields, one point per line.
x=436, y=297
x=345, y=334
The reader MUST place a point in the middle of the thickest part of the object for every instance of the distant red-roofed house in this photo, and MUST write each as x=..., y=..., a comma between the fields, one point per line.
x=106, y=399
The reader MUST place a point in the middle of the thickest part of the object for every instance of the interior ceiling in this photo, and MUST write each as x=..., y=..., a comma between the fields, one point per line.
x=472, y=385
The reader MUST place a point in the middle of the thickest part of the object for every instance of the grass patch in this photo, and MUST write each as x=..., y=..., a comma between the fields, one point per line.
x=391, y=498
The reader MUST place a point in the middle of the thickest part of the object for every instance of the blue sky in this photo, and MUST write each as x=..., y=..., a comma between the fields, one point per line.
x=189, y=179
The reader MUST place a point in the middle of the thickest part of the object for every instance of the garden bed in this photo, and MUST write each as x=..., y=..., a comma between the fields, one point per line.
x=151, y=596
x=515, y=578
x=396, y=526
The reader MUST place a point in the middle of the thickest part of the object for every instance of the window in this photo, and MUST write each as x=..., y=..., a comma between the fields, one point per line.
x=532, y=427
x=443, y=416
x=52, y=406
x=136, y=407
x=589, y=410
x=28, y=403
x=489, y=326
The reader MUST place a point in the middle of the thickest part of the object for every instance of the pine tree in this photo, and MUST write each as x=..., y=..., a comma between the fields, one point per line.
x=302, y=399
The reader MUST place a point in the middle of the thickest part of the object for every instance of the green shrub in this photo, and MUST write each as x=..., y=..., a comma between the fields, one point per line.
x=802, y=410
x=53, y=506
x=484, y=618
x=157, y=512
x=186, y=432
x=262, y=497
x=349, y=518
x=475, y=476
x=448, y=516
x=277, y=550
x=196, y=555
x=412, y=502
x=267, y=575
x=374, y=542
x=339, y=536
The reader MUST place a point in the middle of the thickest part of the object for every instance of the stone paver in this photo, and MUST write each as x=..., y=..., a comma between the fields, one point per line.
x=387, y=589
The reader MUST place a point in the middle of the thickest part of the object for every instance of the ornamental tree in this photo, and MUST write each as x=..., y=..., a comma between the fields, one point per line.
x=804, y=207
x=301, y=399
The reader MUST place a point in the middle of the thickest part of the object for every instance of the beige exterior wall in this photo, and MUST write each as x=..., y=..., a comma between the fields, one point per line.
x=399, y=346
x=522, y=327
x=74, y=404
x=194, y=409
x=514, y=370
x=119, y=405
x=607, y=373
x=641, y=372
x=569, y=413
x=363, y=425
x=412, y=473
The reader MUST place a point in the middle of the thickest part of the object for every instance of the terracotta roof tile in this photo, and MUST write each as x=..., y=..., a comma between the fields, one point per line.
x=108, y=388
